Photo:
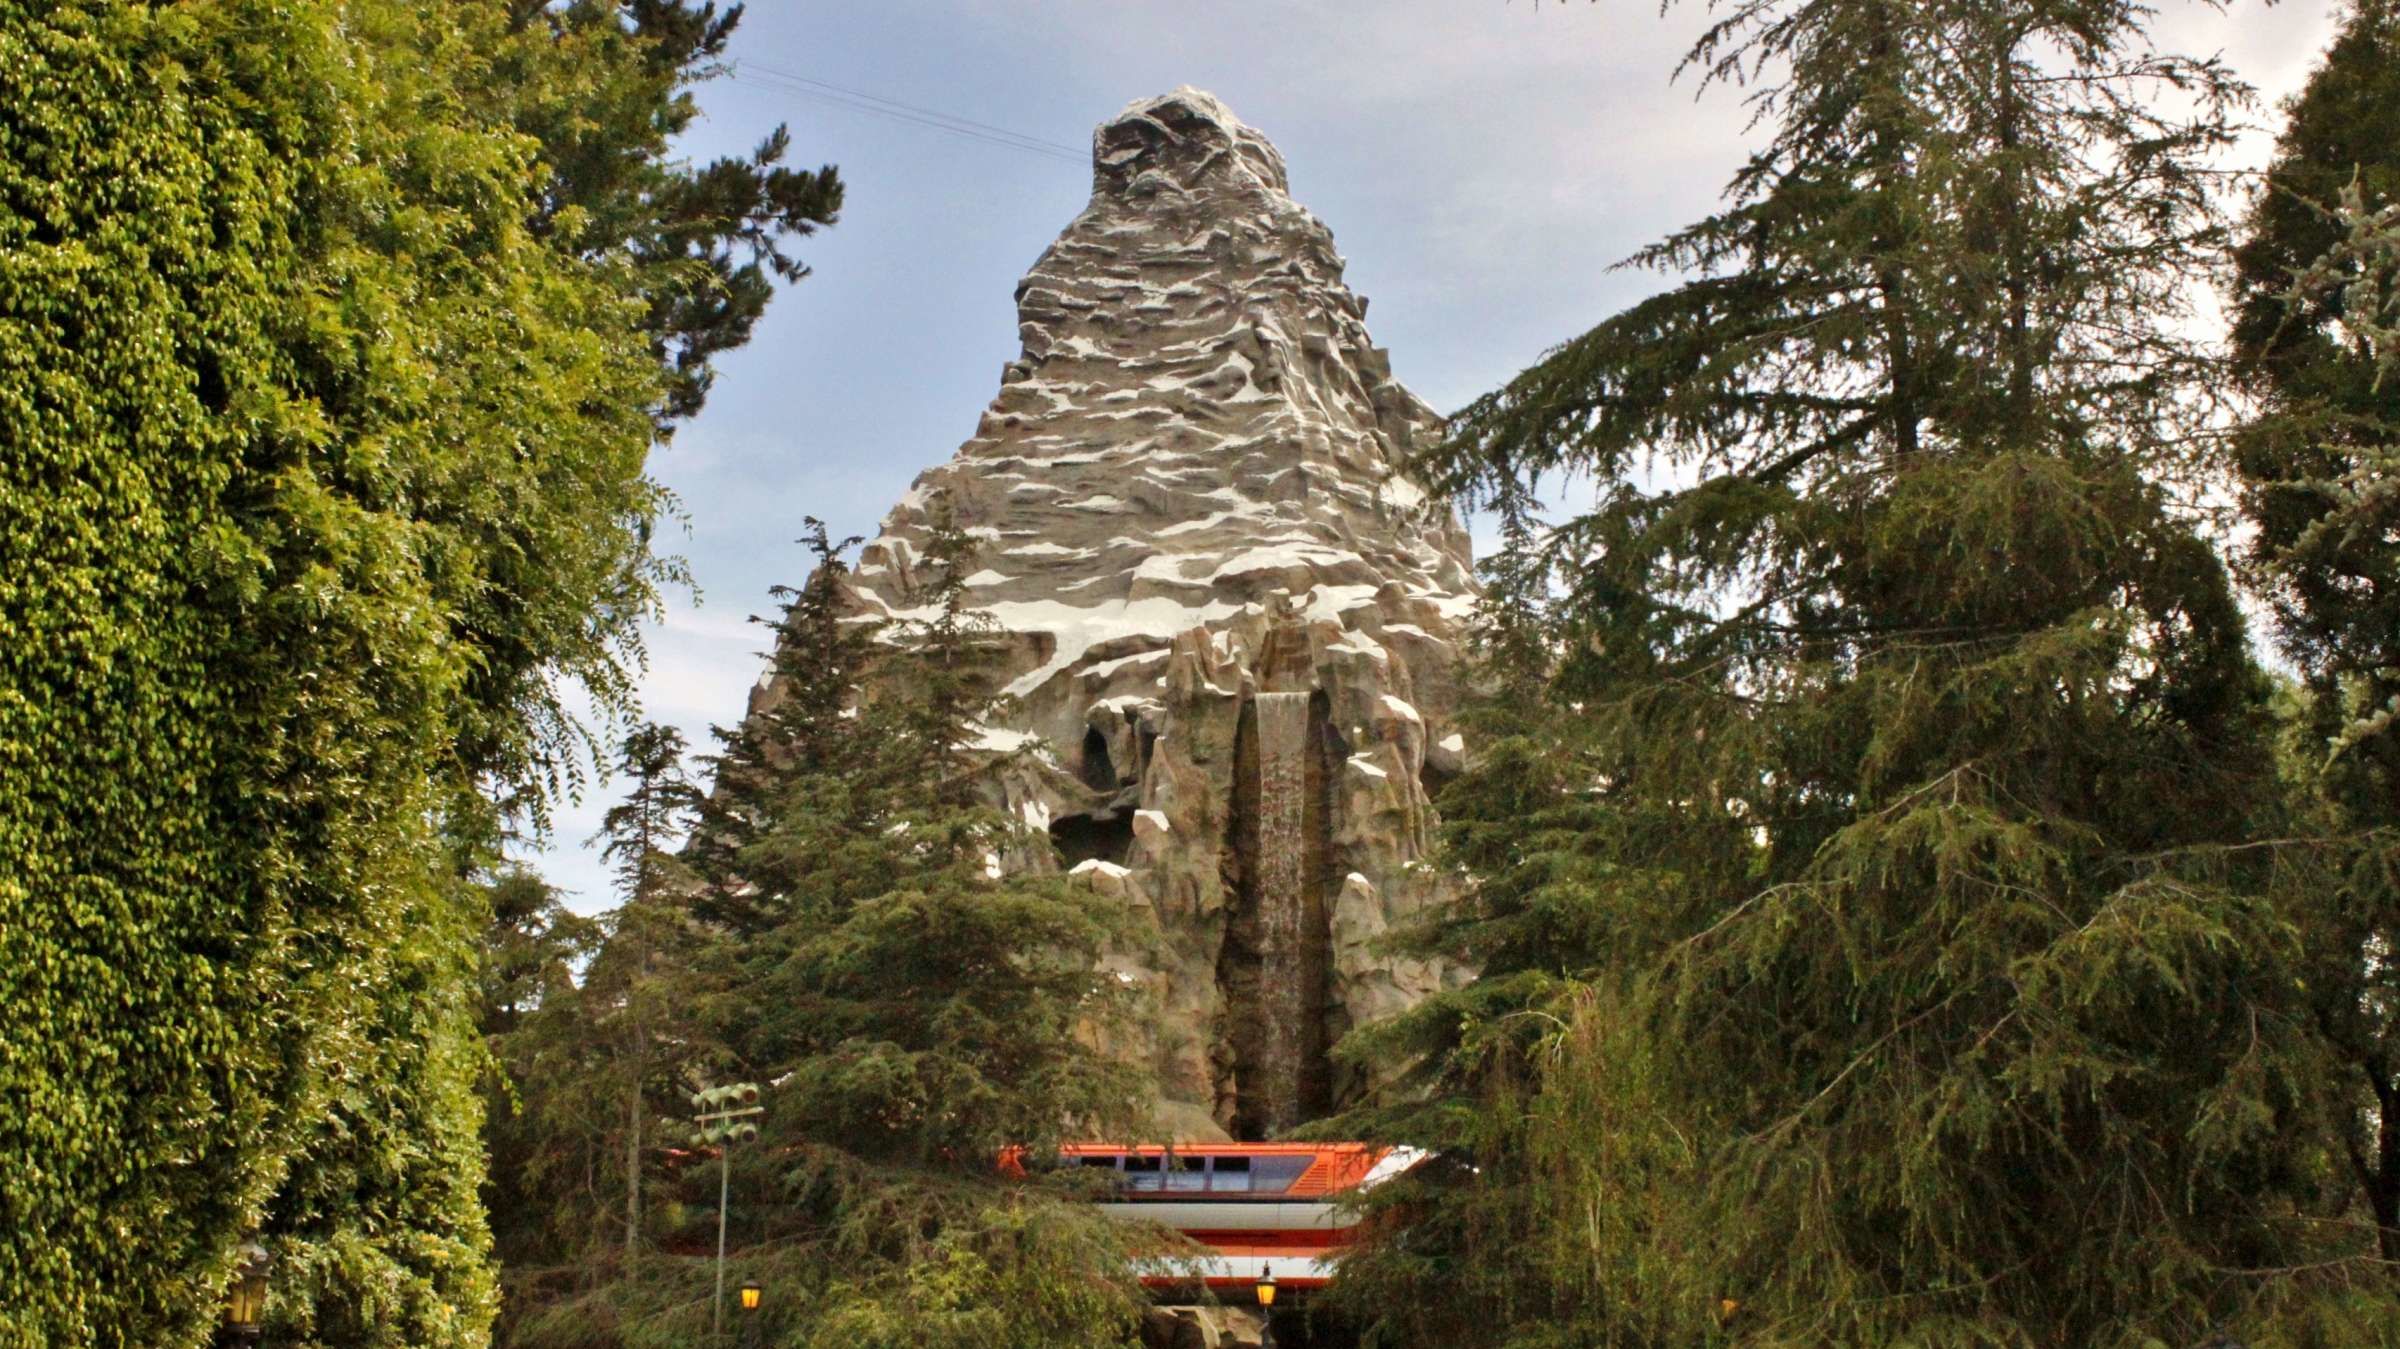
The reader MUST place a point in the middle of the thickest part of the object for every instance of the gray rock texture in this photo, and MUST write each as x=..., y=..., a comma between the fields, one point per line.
x=1188, y=510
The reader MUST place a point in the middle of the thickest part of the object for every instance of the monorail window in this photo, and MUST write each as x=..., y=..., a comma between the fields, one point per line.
x=1155, y=1173
x=1142, y=1173
x=1231, y=1174
x=1274, y=1175
x=1187, y=1173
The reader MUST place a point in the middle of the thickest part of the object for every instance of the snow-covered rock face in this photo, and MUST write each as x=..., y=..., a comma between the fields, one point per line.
x=1186, y=495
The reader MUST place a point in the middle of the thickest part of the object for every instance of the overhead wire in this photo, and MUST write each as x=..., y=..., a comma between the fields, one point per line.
x=894, y=103
x=858, y=100
x=965, y=133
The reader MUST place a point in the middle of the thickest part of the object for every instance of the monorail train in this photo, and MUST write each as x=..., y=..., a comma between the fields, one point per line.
x=1256, y=1206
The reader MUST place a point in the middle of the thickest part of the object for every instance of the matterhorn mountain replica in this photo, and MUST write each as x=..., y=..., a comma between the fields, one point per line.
x=1232, y=630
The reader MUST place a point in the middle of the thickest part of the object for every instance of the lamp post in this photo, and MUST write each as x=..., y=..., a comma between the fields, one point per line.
x=246, y=1300
x=719, y=1114
x=1266, y=1306
x=751, y=1293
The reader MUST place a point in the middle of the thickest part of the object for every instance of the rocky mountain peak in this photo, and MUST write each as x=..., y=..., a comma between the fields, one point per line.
x=1186, y=142
x=1232, y=623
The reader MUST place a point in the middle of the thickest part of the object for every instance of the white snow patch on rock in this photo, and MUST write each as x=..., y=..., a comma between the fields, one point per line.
x=1106, y=668
x=1002, y=740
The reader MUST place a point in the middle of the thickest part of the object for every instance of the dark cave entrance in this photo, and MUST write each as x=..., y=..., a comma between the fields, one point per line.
x=1104, y=837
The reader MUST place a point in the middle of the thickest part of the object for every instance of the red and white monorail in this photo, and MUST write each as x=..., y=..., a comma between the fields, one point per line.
x=1255, y=1206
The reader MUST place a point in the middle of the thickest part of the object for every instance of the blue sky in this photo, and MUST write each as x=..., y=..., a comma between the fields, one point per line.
x=1482, y=163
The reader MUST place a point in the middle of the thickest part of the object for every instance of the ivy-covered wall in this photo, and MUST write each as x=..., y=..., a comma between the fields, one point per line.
x=301, y=428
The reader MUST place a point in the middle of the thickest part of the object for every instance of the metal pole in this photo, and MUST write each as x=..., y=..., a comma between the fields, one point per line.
x=716, y=1322
x=718, y=1108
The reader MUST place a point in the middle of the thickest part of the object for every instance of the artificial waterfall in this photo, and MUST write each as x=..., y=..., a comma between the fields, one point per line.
x=1288, y=949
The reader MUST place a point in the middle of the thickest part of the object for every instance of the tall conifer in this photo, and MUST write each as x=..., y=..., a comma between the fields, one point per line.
x=917, y=1007
x=638, y=835
x=544, y=1158
x=2317, y=343
x=893, y=952
x=1872, y=947
x=802, y=720
x=2316, y=289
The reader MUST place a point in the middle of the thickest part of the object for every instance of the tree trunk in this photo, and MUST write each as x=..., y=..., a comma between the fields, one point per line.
x=1891, y=287
x=633, y=1160
x=640, y=1047
x=2019, y=259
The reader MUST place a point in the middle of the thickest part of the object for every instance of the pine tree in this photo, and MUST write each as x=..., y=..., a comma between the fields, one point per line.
x=903, y=923
x=930, y=1009
x=2317, y=460
x=602, y=89
x=2318, y=290
x=605, y=87
x=1873, y=949
x=598, y=1065
x=916, y=1008
x=820, y=654
x=2317, y=343
x=652, y=890
x=532, y=948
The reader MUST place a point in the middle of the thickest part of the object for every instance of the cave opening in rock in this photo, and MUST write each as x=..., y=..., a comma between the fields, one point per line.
x=1104, y=837
x=1434, y=779
x=1099, y=773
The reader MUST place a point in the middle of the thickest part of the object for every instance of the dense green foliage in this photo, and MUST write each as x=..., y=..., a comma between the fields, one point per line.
x=597, y=1036
x=2317, y=340
x=541, y=1142
x=1884, y=932
x=2309, y=284
x=845, y=932
x=326, y=417
x=648, y=931
x=1903, y=911
x=604, y=85
x=601, y=86
x=379, y=1226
